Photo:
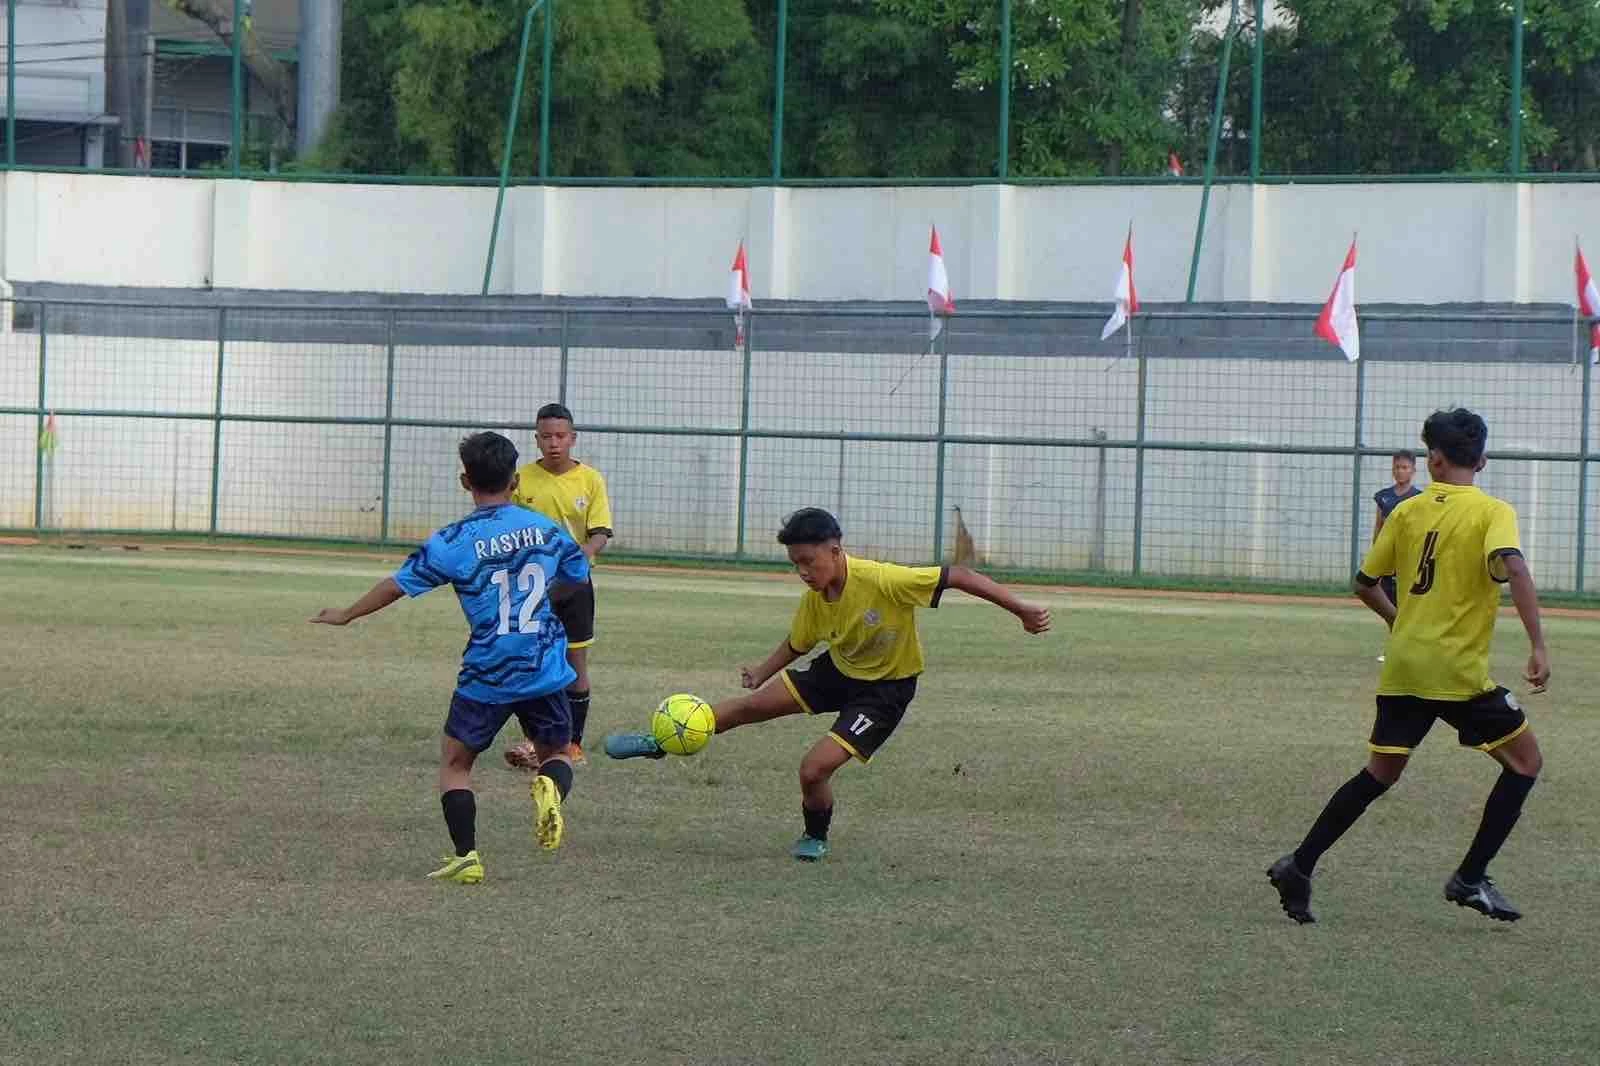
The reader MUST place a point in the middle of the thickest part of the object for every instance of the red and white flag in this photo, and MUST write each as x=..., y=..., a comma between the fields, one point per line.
x=1589, y=305
x=1174, y=165
x=738, y=298
x=941, y=302
x=1337, y=323
x=1126, y=296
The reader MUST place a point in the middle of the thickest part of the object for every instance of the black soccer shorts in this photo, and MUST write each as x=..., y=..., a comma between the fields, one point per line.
x=1484, y=722
x=576, y=614
x=868, y=711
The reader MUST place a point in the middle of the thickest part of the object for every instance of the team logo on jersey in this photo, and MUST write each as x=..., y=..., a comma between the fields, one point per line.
x=872, y=617
x=581, y=502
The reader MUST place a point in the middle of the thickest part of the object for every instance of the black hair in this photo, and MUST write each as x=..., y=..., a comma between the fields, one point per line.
x=1458, y=434
x=1406, y=454
x=809, y=525
x=489, y=460
x=554, y=410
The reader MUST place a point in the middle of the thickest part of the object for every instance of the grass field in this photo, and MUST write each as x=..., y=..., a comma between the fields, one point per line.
x=218, y=818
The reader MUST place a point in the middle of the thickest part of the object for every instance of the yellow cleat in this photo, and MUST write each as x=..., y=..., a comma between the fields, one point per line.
x=547, y=824
x=462, y=869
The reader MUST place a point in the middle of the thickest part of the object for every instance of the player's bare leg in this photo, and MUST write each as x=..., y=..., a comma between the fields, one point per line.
x=772, y=700
x=460, y=813
x=1471, y=886
x=816, y=797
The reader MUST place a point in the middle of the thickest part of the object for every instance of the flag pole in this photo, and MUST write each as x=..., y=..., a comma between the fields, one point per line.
x=1577, y=250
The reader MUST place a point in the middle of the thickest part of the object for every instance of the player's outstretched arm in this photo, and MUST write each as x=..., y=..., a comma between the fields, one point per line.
x=377, y=598
x=1526, y=597
x=1034, y=619
x=753, y=677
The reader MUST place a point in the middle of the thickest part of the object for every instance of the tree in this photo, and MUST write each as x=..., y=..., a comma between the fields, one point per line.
x=1090, y=80
x=217, y=15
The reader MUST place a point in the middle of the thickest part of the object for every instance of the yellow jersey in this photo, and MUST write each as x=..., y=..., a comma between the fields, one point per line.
x=1447, y=548
x=871, y=629
x=576, y=499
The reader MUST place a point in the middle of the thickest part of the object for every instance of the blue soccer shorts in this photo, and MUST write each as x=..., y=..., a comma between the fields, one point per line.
x=546, y=720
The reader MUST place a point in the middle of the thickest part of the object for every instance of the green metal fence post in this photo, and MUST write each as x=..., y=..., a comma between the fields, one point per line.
x=38, y=429
x=545, y=89
x=1516, y=88
x=940, y=446
x=1258, y=64
x=11, y=83
x=744, y=447
x=780, y=70
x=511, y=139
x=1211, y=152
x=1138, y=465
x=236, y=40
x=561, y=370
x=216, y=420
x=1005, y=89
x=388, y=427
x=1356, y=445
x=1585, y=442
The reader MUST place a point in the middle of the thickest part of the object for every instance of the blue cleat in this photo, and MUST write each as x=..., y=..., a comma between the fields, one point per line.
x=809, y=849
x=633, y=746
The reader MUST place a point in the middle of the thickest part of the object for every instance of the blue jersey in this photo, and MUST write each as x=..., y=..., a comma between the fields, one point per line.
x=1388, y=499
x=502, y=562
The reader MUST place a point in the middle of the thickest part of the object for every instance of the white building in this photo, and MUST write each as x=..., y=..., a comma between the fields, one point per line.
x=60, y=82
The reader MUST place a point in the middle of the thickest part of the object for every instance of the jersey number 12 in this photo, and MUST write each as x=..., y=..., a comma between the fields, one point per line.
x=531, y=582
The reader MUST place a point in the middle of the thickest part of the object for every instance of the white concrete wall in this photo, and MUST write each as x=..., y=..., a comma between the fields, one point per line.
x=91, y=229
x=1435, y=243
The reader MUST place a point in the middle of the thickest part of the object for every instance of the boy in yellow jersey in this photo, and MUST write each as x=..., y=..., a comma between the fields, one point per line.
x=1455, y=545
x=865, y=612
x=573, y=495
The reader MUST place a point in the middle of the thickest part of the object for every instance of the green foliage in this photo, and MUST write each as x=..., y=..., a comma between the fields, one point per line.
x=909, y=88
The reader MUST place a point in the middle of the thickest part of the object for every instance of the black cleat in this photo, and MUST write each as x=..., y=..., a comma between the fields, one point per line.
x=1294, y=889
x=1482, y=897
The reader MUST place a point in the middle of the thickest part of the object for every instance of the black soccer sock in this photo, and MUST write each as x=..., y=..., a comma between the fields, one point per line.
x=1499, y=816
x=1347, y=805
x=559, y=771
x=461, y=817
x=579, y=701
x=817, y=821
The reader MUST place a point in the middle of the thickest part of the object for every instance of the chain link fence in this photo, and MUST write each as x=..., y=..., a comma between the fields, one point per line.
x=1224, y=445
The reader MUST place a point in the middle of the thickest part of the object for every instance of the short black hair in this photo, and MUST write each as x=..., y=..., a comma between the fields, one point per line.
x=1407, y=454
x=1457, y=434
x=490, y=461
x=554, y=410
x=809, y=525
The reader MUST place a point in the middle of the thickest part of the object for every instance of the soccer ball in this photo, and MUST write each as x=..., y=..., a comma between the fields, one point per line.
x=683, y=724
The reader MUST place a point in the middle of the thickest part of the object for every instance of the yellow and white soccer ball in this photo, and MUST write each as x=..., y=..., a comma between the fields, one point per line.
x=683, y=724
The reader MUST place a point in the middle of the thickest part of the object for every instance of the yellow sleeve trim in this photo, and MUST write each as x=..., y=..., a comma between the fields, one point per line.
x=788, y=683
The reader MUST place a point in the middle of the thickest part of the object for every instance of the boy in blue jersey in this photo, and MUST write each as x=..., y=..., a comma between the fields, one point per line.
x=1403, y=465
x=506, y=563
